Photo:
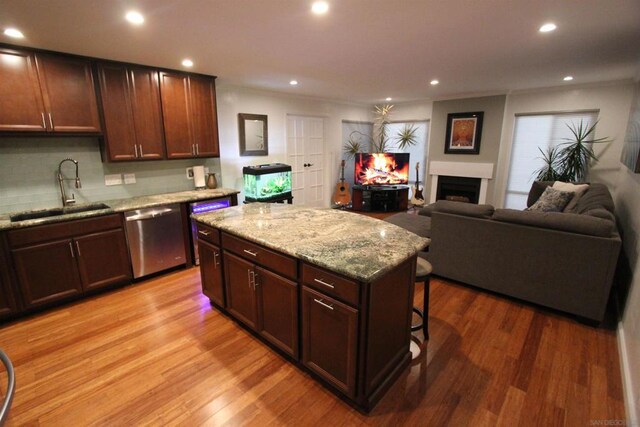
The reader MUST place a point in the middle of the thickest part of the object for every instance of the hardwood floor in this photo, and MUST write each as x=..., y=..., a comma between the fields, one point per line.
x=157, y=353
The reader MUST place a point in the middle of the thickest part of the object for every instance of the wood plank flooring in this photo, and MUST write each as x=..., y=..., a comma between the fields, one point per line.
x=156, y=353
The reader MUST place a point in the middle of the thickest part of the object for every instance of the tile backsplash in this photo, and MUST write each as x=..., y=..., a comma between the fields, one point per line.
x=28, y=167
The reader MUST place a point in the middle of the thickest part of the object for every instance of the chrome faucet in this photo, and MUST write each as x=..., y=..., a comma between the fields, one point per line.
x=61, y=179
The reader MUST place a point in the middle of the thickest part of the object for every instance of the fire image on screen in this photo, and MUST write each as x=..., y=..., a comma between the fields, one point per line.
x=381, y=168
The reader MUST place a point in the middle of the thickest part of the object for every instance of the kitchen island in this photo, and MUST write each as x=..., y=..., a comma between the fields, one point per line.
x=331, y=290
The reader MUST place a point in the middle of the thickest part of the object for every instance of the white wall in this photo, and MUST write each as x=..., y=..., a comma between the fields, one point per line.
x=233, y=100
x=613, y=100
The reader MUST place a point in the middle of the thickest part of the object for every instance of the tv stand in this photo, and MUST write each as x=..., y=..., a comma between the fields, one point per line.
x=380, y=198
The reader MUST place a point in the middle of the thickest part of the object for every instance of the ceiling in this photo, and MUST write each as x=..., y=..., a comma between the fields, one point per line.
x=360, y=51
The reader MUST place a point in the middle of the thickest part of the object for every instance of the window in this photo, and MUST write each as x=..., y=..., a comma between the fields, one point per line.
x=533, y=133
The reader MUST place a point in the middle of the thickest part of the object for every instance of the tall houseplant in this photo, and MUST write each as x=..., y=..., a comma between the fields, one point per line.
x=571, y=159
x=381, y=141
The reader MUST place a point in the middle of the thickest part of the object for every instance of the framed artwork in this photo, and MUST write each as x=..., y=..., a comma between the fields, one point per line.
x=254, y=136
x=463, y=133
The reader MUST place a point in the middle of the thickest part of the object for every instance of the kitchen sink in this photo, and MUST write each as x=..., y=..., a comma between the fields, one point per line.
x=57, y=212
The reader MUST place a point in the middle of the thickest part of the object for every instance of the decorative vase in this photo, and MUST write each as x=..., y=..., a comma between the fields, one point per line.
x=212, y=182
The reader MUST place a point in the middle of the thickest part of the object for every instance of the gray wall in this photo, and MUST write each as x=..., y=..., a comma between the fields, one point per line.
x=28, y=167
x=493, y=108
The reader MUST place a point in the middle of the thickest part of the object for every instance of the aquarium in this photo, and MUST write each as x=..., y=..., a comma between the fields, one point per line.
x=268, y=182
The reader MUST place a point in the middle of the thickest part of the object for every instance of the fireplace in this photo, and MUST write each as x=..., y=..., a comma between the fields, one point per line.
x=481, y=171
x=458, y=189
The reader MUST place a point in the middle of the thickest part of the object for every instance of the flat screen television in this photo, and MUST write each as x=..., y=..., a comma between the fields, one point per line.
x=381, y=169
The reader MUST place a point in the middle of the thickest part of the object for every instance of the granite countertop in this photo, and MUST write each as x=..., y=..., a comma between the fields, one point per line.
x=119, y=205
x=351, y=244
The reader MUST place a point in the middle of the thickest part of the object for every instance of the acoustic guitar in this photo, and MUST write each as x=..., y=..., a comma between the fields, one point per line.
x=342, y=196
x=417, y=199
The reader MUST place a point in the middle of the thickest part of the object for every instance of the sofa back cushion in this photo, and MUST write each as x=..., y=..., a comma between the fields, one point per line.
x=537, y=188
x=458, y=208
x=596, y=197
x=562, y=221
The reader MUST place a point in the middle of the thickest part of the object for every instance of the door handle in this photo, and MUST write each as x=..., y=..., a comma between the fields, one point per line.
x=135, y=147
x=216, y=263
x=78, y=248
x=197, y=149
x=71, y=250
x=51, y=121
x=141, y=155
x=44, y=124
x=319, y=301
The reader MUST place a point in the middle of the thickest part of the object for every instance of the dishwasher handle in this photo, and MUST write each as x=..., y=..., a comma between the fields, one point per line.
x=152, y=214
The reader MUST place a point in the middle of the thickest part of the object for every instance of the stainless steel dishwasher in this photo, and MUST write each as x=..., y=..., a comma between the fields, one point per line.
x=156, y=239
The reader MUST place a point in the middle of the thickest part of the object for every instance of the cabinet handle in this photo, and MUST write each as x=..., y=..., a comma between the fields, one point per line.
x=193, y=149
x=319, y=301
x=71, y=250
x=247, y=251
x=44, y=124
x=255, y=280
x=249, y=276
x=322, y=282
x=141, y=153
x=197, y=149
x=204, y=233
x=51, y=121
x=135, y=147
x=216, y=262
x=78, y=248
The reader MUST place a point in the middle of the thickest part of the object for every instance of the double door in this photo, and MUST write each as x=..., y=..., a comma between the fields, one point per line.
x=305, y=154
x=55, y=270
x=46, y=93
x=264, y=301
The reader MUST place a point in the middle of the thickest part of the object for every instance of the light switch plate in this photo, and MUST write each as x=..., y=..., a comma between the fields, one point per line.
x=129, y=178
x=189, y=173
x=113, y=179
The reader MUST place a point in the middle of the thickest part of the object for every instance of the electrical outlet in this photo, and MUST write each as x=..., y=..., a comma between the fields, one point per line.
x=113, y=179
x=129, y=178
x=189, y=173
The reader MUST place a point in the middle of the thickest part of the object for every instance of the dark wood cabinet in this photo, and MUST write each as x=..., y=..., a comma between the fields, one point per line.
x=96, y=269
x=47, y=272
x=241, y=296
x=329, y=339
x=189, y=115
x=46, y=93
x=211, y=272
x=8, y=302
x=130, y=98
x=59, y=261
x=21, y=103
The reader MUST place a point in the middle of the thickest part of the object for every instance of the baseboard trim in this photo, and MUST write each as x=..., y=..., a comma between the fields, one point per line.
x=633, y=417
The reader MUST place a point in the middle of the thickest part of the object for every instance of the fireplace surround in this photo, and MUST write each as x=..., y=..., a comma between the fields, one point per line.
x=483, y=171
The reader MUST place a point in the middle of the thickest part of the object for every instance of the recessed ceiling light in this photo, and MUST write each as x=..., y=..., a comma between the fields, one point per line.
x=548, y=27
x=568, y=78
x=388, y=98
x=434, y=82
x=187, y=62
x=12, y=32
x=134, y=17
x=293, y=82
x=320, y=7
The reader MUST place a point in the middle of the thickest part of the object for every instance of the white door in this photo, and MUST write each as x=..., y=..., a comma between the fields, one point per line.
x=305, y=154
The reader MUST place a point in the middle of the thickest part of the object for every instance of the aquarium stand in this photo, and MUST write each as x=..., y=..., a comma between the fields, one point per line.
x=380, y=198
x=279, y=199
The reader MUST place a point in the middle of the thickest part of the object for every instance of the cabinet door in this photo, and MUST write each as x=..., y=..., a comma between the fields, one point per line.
x=117, y=111
x=21, y=103
x=329, y=339
x=277, y=310
x=174, y=94
x=47, y=272
x=8, y=302
x=147, y=114
x=69, y=94
x=102, y=259
x=241, y=295
x=204, y=121
x=211, y=272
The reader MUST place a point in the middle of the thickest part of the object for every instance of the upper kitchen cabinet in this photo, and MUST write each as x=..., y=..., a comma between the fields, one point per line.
x=130, y=99
x=189, y=113
x=46, y=93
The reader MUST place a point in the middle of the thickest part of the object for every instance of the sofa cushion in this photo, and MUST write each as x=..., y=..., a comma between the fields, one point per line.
x=573, y=223
x=596, y=197
x=577, y=189
x=601, y=213
x=458, y=208
x=537, y=188
x=420, y=225
x=552, y=200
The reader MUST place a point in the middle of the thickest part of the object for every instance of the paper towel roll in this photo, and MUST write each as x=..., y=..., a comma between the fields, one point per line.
x=198, y=176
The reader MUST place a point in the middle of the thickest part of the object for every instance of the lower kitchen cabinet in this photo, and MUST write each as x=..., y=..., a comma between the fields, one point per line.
x=8, y=302
x=211, y=272
x=329, y=339
x=59, y=261
x=264, y=301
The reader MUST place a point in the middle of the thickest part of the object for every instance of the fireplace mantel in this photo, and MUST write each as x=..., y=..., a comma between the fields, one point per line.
x=484, y=171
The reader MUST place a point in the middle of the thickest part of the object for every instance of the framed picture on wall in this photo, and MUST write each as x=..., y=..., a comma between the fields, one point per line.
x=463, y=133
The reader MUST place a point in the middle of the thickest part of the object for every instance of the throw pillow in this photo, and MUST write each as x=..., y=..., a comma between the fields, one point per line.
x=578, y=191
x=552, y=200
